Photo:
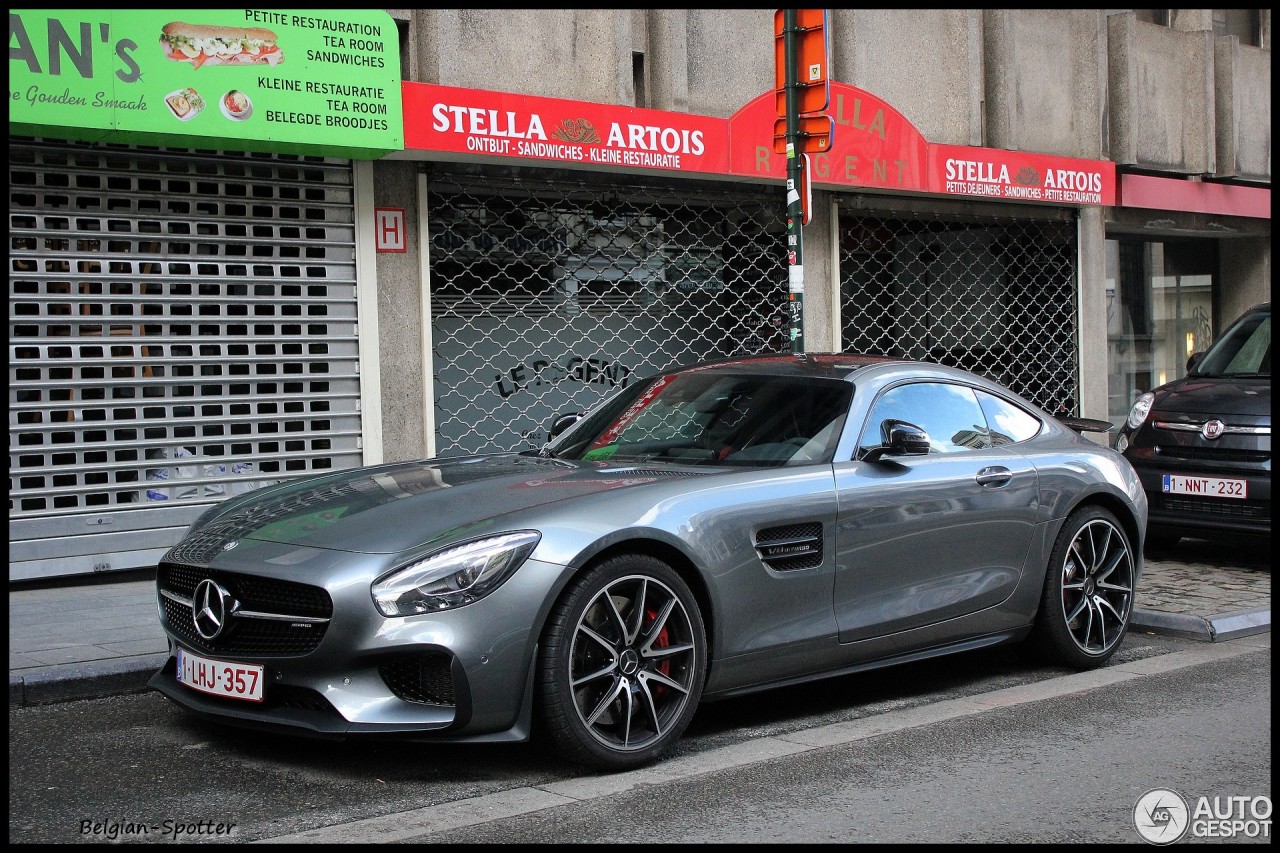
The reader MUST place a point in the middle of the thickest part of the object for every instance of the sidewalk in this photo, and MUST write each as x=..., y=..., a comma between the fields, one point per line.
x=91, y=639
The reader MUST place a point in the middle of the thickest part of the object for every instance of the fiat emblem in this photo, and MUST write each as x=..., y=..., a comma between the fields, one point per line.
x=1213, y=429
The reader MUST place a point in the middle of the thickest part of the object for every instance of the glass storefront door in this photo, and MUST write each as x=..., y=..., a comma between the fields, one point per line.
x=1159, y=311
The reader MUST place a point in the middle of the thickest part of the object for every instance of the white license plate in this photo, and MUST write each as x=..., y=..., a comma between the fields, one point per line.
x=1210, y=487
x=220, y=677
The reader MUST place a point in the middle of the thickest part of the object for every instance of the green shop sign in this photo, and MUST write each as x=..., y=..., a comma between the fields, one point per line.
x=323, y=81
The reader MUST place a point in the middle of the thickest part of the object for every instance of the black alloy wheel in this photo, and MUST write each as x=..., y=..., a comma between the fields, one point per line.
x=1088, y=591
x=623, y=663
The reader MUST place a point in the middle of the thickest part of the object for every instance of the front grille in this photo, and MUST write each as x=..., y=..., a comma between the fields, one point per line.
x=1213, y=454
x=794, y=546
x=425, y=678
x=248, y=636
x=1247, y=510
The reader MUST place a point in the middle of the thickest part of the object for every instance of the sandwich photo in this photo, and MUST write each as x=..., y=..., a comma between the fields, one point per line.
x=185, y=104
x=205, y=44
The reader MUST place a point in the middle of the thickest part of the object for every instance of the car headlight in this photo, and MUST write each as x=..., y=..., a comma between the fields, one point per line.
x=1141, y=408
x=455, y=576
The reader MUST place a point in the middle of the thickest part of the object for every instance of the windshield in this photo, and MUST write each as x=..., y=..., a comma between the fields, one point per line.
x=1245, y=350
x=714, y=419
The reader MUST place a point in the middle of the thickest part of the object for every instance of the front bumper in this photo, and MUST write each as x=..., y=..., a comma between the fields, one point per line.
x=303, y=711
x=458, y=675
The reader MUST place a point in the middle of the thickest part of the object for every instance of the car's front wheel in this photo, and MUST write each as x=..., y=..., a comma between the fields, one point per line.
x=1088, y=592
x=622, y=663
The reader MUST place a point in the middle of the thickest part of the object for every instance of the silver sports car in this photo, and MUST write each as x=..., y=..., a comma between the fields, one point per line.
x=707, y=532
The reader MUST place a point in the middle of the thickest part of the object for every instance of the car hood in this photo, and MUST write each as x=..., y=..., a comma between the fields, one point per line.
x=389, y=509
x=1214, y=396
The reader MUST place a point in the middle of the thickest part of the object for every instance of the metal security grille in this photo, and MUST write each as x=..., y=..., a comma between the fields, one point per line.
x=991, y=292
x=182, y=326
x=549, y=292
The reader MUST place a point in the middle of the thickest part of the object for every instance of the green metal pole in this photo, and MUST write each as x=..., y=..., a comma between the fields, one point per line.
x=795, y=171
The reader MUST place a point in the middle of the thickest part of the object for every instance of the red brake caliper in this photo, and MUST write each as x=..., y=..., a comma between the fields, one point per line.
x=663, y=641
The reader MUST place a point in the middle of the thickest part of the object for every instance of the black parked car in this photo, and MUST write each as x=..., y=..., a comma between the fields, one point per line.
x=1202, y=443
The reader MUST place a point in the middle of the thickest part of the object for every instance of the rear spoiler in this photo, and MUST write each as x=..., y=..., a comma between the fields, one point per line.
x=1087, y=424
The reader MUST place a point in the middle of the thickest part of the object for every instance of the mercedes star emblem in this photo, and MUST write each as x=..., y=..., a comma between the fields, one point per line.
x=209, y=608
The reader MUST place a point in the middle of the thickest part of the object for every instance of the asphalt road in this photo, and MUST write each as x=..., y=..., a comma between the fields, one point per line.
x=1064, y=770
x=978, y=747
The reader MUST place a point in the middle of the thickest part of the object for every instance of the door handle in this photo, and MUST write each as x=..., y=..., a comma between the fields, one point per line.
x=994, y=476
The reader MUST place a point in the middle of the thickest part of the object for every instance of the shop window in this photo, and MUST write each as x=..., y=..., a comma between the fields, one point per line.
x=1160, y=299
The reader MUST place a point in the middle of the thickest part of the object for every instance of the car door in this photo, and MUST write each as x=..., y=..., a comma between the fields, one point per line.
x=927, y=538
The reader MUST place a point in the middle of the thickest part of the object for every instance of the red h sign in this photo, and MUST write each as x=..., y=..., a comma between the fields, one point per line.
x=389, y=228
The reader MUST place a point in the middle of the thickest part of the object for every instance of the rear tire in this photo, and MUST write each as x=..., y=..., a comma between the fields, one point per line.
x=622, y=663
x=1088, y=594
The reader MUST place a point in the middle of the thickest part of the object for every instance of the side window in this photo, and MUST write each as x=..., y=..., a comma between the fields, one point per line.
x=950, y=414
x=1008, y=423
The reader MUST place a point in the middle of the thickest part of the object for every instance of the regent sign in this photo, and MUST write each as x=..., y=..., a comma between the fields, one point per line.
x=875, y=147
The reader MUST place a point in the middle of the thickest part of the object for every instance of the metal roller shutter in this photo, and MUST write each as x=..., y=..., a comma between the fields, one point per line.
x=990, y=290
x=182, y=327
x=549, y=291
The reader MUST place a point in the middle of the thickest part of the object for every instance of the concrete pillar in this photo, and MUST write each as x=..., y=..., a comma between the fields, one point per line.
x=668, y=59
x=821, y=289
x=1244, y=270
x=1092, y=289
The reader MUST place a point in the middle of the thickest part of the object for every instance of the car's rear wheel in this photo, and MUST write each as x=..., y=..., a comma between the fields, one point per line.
x=1088, y=591
x=622, y=663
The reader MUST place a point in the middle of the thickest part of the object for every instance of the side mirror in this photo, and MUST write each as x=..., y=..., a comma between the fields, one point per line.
x=562, y=423
x=1194, y=359
x=899, y=438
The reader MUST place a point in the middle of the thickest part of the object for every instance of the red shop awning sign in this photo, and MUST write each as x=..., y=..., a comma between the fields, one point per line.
x=875, y=148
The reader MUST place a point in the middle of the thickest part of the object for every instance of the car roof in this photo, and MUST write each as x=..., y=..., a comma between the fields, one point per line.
x=818, y=365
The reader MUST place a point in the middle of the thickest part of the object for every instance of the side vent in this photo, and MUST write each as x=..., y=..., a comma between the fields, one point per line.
x=795, y=546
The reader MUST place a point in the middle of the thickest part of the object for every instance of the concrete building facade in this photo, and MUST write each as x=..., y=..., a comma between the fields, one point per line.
x=579, y=197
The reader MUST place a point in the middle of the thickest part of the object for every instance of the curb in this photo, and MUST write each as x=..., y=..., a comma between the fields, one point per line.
x=93, y=680
x=1172, y=624
x=1214, y=629
x=1242, y=624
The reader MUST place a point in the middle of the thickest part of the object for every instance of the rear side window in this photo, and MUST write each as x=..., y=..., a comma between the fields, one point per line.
x=1008, y=423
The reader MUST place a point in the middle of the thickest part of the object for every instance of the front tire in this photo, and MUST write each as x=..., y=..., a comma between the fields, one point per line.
x=622, y=663
x=1089, y=589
